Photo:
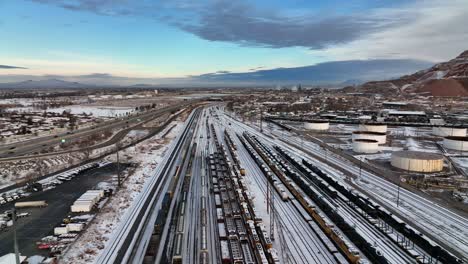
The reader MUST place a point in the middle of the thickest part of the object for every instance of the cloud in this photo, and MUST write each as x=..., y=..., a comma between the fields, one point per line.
x=327, y=72
x=433, y=30
x=10, y=67
x=243, y=23
x=438, y=33
x=237, y=22
x=101, y=7
x=322, y=73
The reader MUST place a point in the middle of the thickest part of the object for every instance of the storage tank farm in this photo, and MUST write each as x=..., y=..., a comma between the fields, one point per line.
x=443, y=131
x=373, y=128
x=365, y=146
x=458, y=143
x=317, y=125
x=381, y=137
x=417, y=161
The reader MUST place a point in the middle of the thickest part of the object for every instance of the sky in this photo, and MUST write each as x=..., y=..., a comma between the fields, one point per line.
x=178, y=38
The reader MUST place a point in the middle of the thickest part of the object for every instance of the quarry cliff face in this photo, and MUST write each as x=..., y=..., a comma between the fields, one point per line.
x=443, y=79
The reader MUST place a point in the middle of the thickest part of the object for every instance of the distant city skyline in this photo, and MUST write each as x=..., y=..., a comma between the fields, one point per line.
x=163, y=40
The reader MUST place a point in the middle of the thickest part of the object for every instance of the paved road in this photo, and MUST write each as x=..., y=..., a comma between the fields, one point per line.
x=35, y=145
x=42, y=220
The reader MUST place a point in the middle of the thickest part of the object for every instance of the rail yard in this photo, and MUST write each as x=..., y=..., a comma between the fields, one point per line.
x=228, y=191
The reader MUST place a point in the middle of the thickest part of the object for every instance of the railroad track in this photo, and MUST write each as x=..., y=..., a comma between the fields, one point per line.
x=130, y=236
x=450, y=226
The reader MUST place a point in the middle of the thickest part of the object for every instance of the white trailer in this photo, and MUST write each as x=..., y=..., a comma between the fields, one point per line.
x=75, y=227
x=60, y=230
x=84, y=207
x=31, y=204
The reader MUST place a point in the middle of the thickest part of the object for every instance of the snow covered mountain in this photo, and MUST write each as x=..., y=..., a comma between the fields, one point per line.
x=49, y=83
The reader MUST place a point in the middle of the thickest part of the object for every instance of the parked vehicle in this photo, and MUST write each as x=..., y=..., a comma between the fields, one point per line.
x=30, y=204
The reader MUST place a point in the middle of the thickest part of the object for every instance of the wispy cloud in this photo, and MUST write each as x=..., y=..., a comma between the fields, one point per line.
x=10, y=67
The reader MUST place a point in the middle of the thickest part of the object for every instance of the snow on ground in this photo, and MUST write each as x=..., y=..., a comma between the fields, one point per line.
x=448, y=227
x=462, y=163
x=98, y=111
x=20, y=170
x=414, y=145
x=386, y=155
x=147, y=154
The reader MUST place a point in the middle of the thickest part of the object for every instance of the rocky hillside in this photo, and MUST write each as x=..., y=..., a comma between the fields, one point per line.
x=443, y=79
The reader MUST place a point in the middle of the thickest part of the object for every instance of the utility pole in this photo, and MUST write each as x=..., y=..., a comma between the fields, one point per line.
x=261, y=123
x=272, y=218
x=15, y=239
x=360, y=168
x=268, y=194
x=118, y=168
x=398, y=193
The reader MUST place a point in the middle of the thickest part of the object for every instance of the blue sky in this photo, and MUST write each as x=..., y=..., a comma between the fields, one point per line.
x=164, y=39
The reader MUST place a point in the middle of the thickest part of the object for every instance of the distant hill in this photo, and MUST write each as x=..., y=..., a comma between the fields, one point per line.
x=443, y=79
x=336, y=72
x=42, y=84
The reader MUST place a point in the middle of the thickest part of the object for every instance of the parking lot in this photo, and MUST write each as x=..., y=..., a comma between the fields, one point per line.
x=42, y=221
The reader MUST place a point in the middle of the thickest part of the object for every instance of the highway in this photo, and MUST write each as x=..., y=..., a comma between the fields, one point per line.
x=36, y=145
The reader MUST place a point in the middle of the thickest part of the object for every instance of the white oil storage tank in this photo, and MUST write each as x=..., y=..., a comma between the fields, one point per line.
x=365, y=146
x=449, y=131
x=417, y=161
x=319, y=125
x=456, y=143
x=373, y=128
x=379, y=136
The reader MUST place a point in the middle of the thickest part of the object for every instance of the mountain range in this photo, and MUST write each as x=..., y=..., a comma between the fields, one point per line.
x=335, y=74
x=443, y=79
x=42, y=84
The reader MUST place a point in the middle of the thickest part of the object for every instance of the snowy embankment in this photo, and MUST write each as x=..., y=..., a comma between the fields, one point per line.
x=147, y=155
x=15, y=171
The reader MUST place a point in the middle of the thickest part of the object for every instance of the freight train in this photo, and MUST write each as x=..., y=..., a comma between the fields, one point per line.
x=329, y=229
x=331, y=185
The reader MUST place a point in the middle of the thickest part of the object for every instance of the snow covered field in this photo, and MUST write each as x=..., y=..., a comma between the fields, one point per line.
x=147, y=154
x=97, y=111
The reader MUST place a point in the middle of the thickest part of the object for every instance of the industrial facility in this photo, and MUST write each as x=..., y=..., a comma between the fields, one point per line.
x=417, y=161
x=318, y=125
x=379, y=136
x=449, y=131
x=373, y=128
x=456, y=143
x=365, y=146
